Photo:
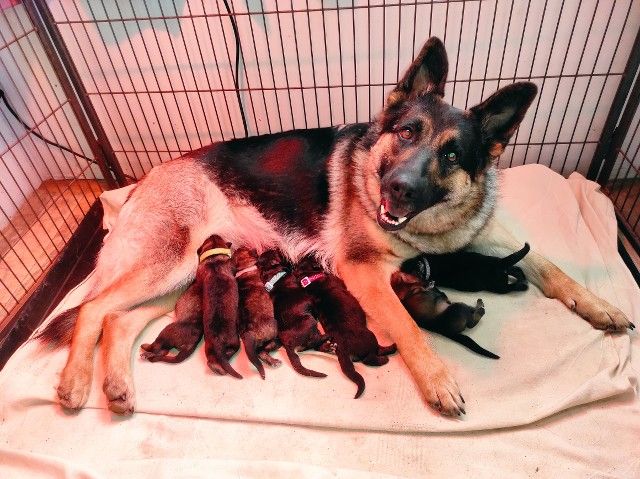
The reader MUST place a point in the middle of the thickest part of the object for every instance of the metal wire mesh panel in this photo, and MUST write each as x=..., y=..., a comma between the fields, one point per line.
x=44, y=191
x=162, y=74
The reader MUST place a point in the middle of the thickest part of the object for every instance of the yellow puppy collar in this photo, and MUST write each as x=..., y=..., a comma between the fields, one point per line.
x=213, y=252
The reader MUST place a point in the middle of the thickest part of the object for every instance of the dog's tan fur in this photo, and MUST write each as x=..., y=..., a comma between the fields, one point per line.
x=151, y=251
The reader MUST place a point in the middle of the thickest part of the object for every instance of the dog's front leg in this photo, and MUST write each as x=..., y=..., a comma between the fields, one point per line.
x=370, y=284
x=552, y=281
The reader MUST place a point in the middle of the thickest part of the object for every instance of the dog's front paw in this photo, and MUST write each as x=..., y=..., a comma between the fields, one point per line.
x=599, y=313
x=74, y=387
x=441, y=391
x=120, y=394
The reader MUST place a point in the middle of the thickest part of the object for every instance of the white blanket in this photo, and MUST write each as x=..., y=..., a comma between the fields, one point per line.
x=551, y=361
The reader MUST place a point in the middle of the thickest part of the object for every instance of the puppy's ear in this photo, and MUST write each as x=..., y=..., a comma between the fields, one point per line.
x=427, y=74
x=500, y=115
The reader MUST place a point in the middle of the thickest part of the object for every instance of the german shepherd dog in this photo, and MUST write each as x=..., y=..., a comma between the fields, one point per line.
x=420, y=177
x=343, y=320
x=431, y=310
x=470, y=271
x=258, y=326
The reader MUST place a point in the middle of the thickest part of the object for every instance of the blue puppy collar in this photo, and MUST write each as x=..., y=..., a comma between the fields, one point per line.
x=272, y=282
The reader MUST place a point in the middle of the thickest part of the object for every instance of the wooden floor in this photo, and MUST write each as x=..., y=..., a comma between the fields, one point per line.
x=37, y=232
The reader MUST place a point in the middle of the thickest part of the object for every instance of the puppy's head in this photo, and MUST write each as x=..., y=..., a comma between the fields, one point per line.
x=244, y=258
x=428, y=156
x=308, y=265
x=405, y=284
x=213, y=241
x=271, y=262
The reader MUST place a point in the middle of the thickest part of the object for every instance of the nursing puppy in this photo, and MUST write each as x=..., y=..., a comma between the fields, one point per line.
x=219, y=304
x=258, y=326
x=183, y=334
x=293, y=308
x=432, y=310
x=420, y=177
x=343, y=321
x=470, y=271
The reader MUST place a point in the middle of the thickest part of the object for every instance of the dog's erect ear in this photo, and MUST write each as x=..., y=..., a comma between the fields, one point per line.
x=427, y=74
x=500, y=114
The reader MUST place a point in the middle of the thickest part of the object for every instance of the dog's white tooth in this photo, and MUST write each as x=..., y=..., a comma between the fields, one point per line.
x=382, y=210
x=402, y=220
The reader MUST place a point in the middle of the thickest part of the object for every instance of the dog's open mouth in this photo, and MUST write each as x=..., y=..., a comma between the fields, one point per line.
x=390, y=222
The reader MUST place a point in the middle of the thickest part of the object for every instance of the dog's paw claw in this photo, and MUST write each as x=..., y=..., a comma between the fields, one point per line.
x=73, y=390
x=120, y=395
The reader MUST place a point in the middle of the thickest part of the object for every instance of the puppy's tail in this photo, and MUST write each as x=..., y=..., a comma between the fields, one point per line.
x=297, y=365
x=59, y=331
x=469, y=343
x=349, y=370
x=513, y=258
x=250, y=348
x=224, y=364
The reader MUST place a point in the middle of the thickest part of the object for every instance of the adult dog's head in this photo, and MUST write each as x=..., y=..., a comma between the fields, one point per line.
x=428, y=160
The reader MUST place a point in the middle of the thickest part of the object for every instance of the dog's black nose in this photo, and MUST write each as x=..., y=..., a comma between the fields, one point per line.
x=402, y=189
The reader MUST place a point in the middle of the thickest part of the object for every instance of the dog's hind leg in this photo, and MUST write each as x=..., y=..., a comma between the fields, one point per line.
x=120, y=330
x=132, y=288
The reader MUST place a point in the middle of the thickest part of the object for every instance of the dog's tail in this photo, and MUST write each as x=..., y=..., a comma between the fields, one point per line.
x=297, y=365
x=469, y=343
x=59, y=331
x=513, y=258
x=250, y=348
x=349, y=370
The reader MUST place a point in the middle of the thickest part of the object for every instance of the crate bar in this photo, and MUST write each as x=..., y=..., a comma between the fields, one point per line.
x=69, y=78
x=604, y=156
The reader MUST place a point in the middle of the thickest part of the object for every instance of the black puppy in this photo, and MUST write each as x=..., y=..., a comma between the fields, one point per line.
x=183, y=334
x=219, y=304
x=343, y=320
x=293, y=308
x=469, y=271
x=258, y=327
x=432, y=310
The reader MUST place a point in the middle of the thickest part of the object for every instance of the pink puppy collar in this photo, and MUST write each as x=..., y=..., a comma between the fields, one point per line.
x=307, y=280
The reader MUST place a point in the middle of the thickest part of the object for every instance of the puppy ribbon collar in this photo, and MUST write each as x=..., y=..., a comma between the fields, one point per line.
x=213, y=252
x=272, y=282
x=307, y=280
x=246, y=270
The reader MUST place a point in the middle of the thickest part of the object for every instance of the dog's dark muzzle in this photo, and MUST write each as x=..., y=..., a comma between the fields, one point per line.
x=405, y=192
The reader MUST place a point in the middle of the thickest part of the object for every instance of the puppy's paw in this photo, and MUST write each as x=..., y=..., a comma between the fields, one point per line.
x=599, y=313
x=441, y=391
x=269, y=360
x=120, y=394
x=73, y=389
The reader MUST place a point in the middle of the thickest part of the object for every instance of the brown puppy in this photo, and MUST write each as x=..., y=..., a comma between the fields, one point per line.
x=431, y=310
x=258, y=326
x=219, y=304
x=183, y=334
x=343, y=320
x=293, y=308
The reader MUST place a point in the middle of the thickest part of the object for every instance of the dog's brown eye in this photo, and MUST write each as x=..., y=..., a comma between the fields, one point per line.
x=406, y=133
x=451, y=156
